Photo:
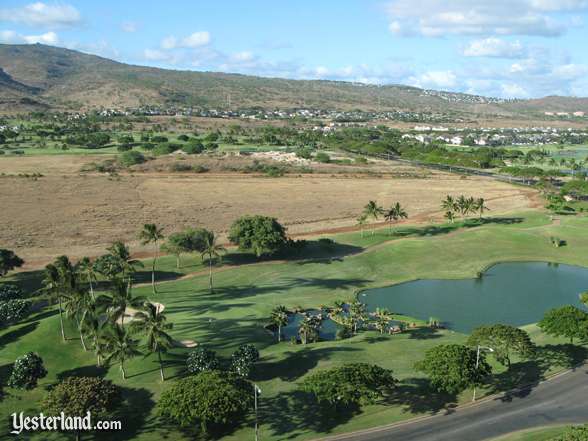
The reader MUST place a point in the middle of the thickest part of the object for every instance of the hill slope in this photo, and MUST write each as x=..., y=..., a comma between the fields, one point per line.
x=39, y=75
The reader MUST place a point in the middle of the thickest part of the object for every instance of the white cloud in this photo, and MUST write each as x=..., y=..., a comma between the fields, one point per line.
x=46, y=38
x=442, y=79
x=129, y=26
x=169, y=42
x=156, y=55
x=8, y=37
x=494, y=47
x=40, y=14
x=433, y=18
x=243, y=56
x=197, y=39
x=513, y=90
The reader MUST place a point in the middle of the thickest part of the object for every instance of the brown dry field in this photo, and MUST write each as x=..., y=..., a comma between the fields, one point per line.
x=66, y=212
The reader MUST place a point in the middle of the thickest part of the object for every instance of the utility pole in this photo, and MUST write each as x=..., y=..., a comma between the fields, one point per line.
x=256, y=391
x=478, y=363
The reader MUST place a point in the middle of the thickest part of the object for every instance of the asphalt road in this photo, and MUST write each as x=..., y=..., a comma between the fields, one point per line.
x=561, y=400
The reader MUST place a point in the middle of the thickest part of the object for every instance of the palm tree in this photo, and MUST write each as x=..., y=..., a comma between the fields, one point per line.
x=462, y=205
x=395, y=213
x=119, y=251
x=373, y=210
x=152, y=234
x=51, y=286
x=76, y=304
x=309, y=328
x=450, y=206
x=212, y=251
x=120, y=299
x=383, y=317
x=279, y=318
x=92, y=325
x=121, y=347
x=361, y=221
x=85, y=267
x=152, y=322
x=449, y=216
x=480, y=206
x=357, y=312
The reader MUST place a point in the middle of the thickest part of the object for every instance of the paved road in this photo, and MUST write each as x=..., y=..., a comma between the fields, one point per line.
x=559, y=401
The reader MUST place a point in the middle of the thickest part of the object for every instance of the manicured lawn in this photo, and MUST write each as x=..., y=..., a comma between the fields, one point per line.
x=244, y=295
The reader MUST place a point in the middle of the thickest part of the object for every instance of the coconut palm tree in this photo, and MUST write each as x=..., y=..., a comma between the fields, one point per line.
x=481, y=206
x=75, y=305
x=86, y=268
x=395, y=213
x=120, y=346
x=449, y=204
x=212, y=251
x=358, y=312
x=92, y=324
x=449, y=216
x=119, y=300
x=152, y=234
x=309, y=328
x=279, y=318
x=373, y=210
x=383, y=317
x=51, y=287
x=152, y=323
x=120, y=252
x=361, y=221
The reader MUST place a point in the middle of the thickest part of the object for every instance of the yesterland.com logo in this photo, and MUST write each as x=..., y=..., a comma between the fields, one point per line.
x=60, y=422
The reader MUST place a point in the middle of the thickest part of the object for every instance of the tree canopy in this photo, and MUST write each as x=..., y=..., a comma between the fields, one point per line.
x=209, y=398
x=9, y=261
x=504, y=340
x=452, y=368
x=567, y=321
x=350, y=384
x=259, y=234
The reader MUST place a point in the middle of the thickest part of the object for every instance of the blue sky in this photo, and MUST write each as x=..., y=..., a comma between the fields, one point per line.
x=506, y=48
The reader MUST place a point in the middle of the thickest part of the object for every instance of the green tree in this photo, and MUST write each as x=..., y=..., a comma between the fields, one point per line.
x=373, y=210
x=151, y=233
x=309, y=328
x=361, y=221
x=177, y=244
x=243, y=359
x=213, y=252
x=27, y=371
x=350, y=384
x=584, y=298
x=450, y=216
x=202, y=359
x=358, y=314
x=395, y=213
x=259, y=234
x=9, y=261
x=121, y=347
x=480, y=206
x=451, y=368
x=119, y=300
x=567, y=321
x=574, y=433
x=86, y=268
x=153, y=324
x=504, y=340
x=210, y=398
x=383, y=317
x=449, y=205
x=120, y=252
x=76, y=396
x=279, y=318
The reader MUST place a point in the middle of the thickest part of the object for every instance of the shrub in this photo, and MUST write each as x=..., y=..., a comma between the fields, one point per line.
x=124, y=147
x=9, y=291
x=27, y=371
x=183, y=138
x=344, y=333
x=75, y=396
x=211, y=398
x=193, y=148
x=304, y=153
x=243, y=359
x=200, y=169
x=322, y=157
x=158, y=139
x=350, y=384
x=14, y=310
x=131, y=158
x=202, y=359
x=260, y=234
x=574, y=433
x=2, y=152
x=180, y=167
x=361, y=160
x=164, y=149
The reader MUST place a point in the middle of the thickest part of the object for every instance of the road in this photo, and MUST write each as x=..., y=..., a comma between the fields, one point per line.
x=562, y=400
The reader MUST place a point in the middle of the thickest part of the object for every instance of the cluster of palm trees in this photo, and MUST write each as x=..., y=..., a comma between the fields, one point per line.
x=373, y=211
x=99, y=317
x=462, y=206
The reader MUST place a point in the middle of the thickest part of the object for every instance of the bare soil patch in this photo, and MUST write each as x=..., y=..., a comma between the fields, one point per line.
x=66, y=212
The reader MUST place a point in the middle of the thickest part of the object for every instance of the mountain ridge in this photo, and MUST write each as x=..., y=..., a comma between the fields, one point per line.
x=65, y=79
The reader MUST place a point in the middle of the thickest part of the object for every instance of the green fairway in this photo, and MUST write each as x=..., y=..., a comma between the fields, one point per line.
x=245, y=294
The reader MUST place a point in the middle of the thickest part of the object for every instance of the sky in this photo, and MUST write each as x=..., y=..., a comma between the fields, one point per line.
x=500, y=48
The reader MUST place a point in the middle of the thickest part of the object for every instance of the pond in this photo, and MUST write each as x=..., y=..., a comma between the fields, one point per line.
x=510, y=293
x=328, y=329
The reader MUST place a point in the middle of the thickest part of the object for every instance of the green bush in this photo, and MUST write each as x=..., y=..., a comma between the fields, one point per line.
x=193, y=148
x=202, y=359
x=183, y=138
x=14, y=310
x=322, y=157
x=165, y=149
x=9, y=291
x=131, y=158
x=259, y=234
x=243, y=359
x=27, y=371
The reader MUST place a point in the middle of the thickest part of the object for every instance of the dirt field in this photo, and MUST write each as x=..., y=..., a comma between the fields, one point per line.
x=65, y=212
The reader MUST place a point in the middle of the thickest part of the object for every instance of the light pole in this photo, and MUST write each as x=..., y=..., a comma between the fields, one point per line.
x=256, y=391
x=486, y=348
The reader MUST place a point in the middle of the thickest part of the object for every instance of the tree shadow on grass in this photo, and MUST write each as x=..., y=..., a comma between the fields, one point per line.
x=417, y=395
x=294, y=364
x=436, y=230
x=83, y=371
x=16, y=334
x=289, y=414
x=137, y=406
x=422, y=333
